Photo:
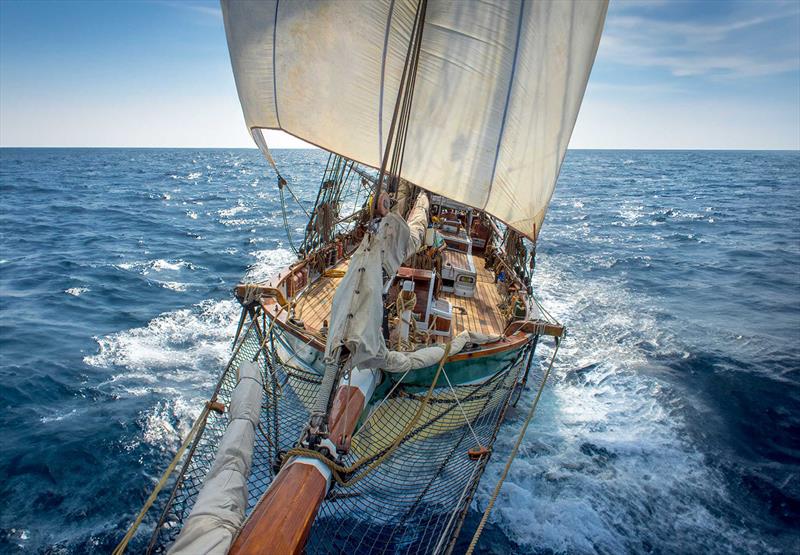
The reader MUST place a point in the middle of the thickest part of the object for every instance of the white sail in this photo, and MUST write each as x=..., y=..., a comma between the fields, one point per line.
x=497, y=92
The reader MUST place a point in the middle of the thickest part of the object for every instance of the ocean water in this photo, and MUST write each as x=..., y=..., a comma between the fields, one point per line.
x=671, y=425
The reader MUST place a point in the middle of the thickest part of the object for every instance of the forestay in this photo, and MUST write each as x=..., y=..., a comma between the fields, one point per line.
x=498, y=88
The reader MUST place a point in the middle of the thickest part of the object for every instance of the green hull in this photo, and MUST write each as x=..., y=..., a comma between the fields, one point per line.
x=460, y=372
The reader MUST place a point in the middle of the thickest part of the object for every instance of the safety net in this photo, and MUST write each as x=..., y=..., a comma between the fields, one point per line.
x=406, y=496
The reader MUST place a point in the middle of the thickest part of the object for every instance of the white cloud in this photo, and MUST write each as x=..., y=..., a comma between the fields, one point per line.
x=212, y=10
x=690, y=48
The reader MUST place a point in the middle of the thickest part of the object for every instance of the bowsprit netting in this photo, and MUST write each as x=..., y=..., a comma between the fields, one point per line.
x=410, y=499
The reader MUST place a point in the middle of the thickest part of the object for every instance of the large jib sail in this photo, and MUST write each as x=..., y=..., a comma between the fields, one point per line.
x=497, y=90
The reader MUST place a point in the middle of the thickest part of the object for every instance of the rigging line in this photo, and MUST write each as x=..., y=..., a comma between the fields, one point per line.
x=513, y=454
x=418, y=22
x=383, y=76
x=457, y=507
x=297, y=200
x=308, y=239
x=544, y=310
x=386, y=398
x=262, y=348
x=286, y=221
x=407, y=116
x=463, y=413
x=200, y=422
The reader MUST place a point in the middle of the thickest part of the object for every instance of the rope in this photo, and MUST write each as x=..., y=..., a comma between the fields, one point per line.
x=263, y=348
x=463, y=412
x=251, y=294
x=513, y=454
x=402, y=108
x=402, y=305
x=323, y=223
x=339, y=471
x=151, y=499
x=281, y=183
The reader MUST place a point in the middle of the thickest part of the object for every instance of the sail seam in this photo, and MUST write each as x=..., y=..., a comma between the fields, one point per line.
x=274, y=69
x=383, y=77
x=508, y=100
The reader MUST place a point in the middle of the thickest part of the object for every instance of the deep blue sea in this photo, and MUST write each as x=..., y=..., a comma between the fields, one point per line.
x=672, y=424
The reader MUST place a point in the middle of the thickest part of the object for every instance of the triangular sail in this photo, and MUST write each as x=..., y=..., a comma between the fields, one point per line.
x=497, y=92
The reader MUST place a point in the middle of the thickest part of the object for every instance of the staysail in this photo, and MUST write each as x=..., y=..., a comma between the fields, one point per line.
x=497, y=93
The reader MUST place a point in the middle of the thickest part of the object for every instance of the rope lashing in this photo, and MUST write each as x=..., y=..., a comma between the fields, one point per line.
x=402, y=305
x=252, y=293
x=513, y=454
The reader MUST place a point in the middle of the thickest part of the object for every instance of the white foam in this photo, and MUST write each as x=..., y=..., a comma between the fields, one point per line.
x=191, y=338
x=178, y=355
x=238, y=209
x=267, y=263
x=174, y=286
x=76, y=291
x=158, y=265
x=606, y=463
x=161, y=264
x=157, y=423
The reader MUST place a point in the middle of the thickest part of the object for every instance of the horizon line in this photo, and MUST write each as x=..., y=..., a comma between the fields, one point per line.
x=670, y=149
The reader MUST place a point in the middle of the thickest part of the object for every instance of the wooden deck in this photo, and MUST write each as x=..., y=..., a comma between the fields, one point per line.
x=479, y=313
x=314, y=305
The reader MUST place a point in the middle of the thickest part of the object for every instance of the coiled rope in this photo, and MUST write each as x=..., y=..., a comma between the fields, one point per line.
x=513, y=454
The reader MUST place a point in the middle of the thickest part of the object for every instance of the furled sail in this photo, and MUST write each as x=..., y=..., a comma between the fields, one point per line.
x=497, y=91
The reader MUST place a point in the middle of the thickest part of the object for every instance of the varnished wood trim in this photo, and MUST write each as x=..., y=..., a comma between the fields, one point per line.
x=282, y=519
x=345, y=412
x=507, y=344
x=556, y=330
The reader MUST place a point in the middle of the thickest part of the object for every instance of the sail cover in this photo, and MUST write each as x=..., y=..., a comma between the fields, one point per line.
x=497, y=92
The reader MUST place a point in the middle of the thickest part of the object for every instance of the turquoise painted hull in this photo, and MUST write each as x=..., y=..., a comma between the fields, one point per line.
x=460, y=372
x=470, y=370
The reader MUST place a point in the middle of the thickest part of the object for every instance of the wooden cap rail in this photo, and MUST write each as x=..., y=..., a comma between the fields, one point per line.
x=535, y=326
x=243, y=289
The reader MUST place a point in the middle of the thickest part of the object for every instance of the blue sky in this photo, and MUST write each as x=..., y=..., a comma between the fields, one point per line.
x=709, y=74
